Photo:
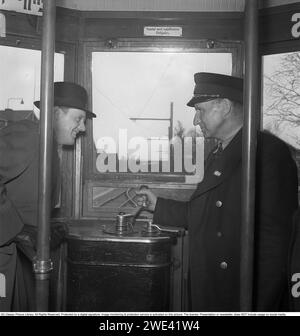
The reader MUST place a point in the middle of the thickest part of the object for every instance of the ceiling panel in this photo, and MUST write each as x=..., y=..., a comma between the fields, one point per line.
x=154, y=5
x=165, y=5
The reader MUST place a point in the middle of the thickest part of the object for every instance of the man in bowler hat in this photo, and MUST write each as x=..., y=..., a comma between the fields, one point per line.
x=212, y=216
x=19, y=153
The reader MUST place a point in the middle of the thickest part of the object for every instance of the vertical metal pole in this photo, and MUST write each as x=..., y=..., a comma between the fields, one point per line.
x=171, y=120
x=43, y=264
x=249, y=152
x=78, y=179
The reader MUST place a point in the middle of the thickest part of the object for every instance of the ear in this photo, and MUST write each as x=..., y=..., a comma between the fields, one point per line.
x=227, y=105
x=57, y=112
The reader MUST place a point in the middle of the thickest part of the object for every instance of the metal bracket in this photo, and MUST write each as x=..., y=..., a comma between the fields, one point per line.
x=42, y=266
x=111, y=43
x=210, y=44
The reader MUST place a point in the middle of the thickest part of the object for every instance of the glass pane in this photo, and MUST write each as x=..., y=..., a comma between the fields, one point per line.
x=20, y=75
x=140, y=100
x=281, y=96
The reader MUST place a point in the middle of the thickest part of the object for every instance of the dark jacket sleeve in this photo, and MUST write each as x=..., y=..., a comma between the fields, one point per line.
x=10, y=221
x=17, y=148
x=171, y=213
x=277, y=200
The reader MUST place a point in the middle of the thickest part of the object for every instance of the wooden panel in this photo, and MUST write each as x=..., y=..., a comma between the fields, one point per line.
x=67, y=25
x=225, y=26
x=106, y=200
x=21, y=24
x=276, y=24
x=273, y=3
x=72, y=25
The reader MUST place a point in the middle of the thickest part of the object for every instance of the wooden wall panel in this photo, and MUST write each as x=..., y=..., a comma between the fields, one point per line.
x=227, y=27
x=276, y=24
x=106, y=200
x=67, y=25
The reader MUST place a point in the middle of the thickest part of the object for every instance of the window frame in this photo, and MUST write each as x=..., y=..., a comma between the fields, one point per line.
x=274, y=48
x=143, y=45
x=70, y=51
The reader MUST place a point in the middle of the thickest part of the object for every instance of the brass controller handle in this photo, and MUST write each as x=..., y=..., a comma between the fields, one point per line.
x=154, y=227
x=145, y=198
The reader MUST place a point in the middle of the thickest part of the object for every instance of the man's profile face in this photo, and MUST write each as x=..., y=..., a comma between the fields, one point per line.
x=210, y=117
x=68, y=122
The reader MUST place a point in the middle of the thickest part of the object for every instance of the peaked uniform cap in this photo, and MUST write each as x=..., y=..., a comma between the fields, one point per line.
x=70, y=95
x=212, y=86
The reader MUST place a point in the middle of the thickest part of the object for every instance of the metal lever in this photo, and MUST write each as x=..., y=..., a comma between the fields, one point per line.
x=151, y=226
x=144, y=204
x=142, y=207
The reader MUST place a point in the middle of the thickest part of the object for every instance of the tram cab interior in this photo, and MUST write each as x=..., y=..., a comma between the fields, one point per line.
x=136, y=59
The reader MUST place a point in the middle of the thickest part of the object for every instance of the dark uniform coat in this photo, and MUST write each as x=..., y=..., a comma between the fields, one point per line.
x=294, y=263
x=19, y=159
x=213, y=219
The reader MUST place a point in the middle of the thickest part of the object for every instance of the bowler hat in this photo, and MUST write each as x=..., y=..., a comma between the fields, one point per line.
x=70, y=95
x=212, y=86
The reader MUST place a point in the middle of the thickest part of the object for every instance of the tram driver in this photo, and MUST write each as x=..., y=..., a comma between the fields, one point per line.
x=213, y=213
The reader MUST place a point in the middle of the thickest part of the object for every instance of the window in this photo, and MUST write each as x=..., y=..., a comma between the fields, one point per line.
x=143, y=124
x=281, y=96
x=144, y=132
x=281, y=99
x=20, y=90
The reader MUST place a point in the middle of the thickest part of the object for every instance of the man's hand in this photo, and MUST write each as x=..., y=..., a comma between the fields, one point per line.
x=149, y=199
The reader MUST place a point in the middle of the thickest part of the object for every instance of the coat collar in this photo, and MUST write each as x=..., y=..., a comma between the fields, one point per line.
x=222, y=166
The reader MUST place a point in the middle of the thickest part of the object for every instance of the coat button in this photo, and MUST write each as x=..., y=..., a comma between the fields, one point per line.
x=223, y=265
x=219, y=204
x=217, y=173
x=219, y=234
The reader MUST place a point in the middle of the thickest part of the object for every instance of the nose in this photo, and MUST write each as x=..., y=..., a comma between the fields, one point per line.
x=81, y=126
x=197, y=118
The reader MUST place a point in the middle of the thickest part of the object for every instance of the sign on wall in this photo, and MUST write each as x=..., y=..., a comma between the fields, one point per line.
x=33, y=7
x=163, y=31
